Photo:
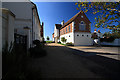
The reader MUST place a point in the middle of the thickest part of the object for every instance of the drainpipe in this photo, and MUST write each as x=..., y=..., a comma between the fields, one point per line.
x=32, y=27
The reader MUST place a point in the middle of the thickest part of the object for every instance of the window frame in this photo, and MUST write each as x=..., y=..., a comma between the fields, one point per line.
x=82, y=26
x=66, y=29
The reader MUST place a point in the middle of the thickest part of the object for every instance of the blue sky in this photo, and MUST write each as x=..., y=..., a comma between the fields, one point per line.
x=52, y=13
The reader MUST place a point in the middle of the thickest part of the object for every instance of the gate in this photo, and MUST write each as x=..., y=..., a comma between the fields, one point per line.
x=20, y=41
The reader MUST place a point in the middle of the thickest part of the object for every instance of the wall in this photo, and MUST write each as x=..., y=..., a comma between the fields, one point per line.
x=22, y=10
x=0, y=41
x=82, y=40
x=11, y=22
x=69, y=37
x=8, y=20
x=24, y=16
x=79, y=19
x=116, y=42
x=36, y=26
x=62, y=30
x=56, y=32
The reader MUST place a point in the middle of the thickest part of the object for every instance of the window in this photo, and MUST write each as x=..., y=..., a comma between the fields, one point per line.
x=82, y=35
x=66, y=29
x=77, y=35
x=81, y=16
x=69, y=28
x=82, y=26
x=69, y=35
x=87, y=35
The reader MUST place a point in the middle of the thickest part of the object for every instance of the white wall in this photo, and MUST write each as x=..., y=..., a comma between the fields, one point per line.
x=22, y=10
x=55, y=32
x=11, y=22
x=69, y=39
x=116, y=42
x=82, y=40
x=0, y=41
x=36, y=26
x=24, y=16
x=7, y=27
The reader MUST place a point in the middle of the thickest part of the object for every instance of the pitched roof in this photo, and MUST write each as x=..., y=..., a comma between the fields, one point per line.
x=73, y=18
x=58, y=26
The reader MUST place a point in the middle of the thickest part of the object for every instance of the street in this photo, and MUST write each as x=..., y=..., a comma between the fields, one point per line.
x=65, y=62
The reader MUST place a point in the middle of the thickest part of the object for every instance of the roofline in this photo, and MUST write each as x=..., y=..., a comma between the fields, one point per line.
x=74, y=19
x=7, y=10
x=35, y=7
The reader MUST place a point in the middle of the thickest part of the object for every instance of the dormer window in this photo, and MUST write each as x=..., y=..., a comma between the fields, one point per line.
x=81, y=16
x=82, y=26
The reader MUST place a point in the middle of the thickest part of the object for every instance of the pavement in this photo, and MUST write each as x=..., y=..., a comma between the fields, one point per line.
x=64, y=62
x=114, y=51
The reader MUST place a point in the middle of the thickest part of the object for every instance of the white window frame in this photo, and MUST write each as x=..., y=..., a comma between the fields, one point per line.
x=82, y=27
x=81, y=16
x=69, y=29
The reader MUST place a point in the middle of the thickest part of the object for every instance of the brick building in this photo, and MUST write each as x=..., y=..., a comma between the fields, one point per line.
x=76, y=30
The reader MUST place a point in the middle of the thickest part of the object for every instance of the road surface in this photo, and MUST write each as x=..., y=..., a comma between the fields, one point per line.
x=65, y=62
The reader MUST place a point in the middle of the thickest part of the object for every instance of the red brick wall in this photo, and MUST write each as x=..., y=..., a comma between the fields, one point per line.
x=62, y=30
x=78, y=20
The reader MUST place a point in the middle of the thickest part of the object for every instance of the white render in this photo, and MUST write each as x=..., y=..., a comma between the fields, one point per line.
x=78, y=40
x=82, y=40
x=0, y=33
x=69, y=37
x=26, y=14
x=8, y=20
x=53, y=39
x=0, y=41
x=56, y=32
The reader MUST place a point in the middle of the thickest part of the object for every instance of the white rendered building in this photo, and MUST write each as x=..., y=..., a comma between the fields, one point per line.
x=76, y=30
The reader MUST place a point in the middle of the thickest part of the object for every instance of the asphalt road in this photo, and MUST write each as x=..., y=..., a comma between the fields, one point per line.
x=64, y=62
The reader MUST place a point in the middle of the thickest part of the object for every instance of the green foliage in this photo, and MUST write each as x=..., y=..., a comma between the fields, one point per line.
x=114, y=35
x=69, y=44
x=49, y=41
x=107, y=39
x=37, y=50
x=61, y=44
x=63, y=39
x=48, y=38
x=110, y=13
x=94, y=36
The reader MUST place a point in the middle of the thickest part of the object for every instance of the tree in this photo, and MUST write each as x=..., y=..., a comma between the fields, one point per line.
x=48, y=38
x=109, y=13
x=63, y=39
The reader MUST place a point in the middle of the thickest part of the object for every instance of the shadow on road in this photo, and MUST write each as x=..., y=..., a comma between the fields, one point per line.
x=110, y=67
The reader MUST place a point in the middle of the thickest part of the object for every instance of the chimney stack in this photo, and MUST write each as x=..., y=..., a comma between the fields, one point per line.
x=62, y=23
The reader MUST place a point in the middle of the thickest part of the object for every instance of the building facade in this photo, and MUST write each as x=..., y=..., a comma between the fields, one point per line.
x=77, y=30
x=27, y=21
x=57, y=32
x=8, y=21
x=53, y=39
